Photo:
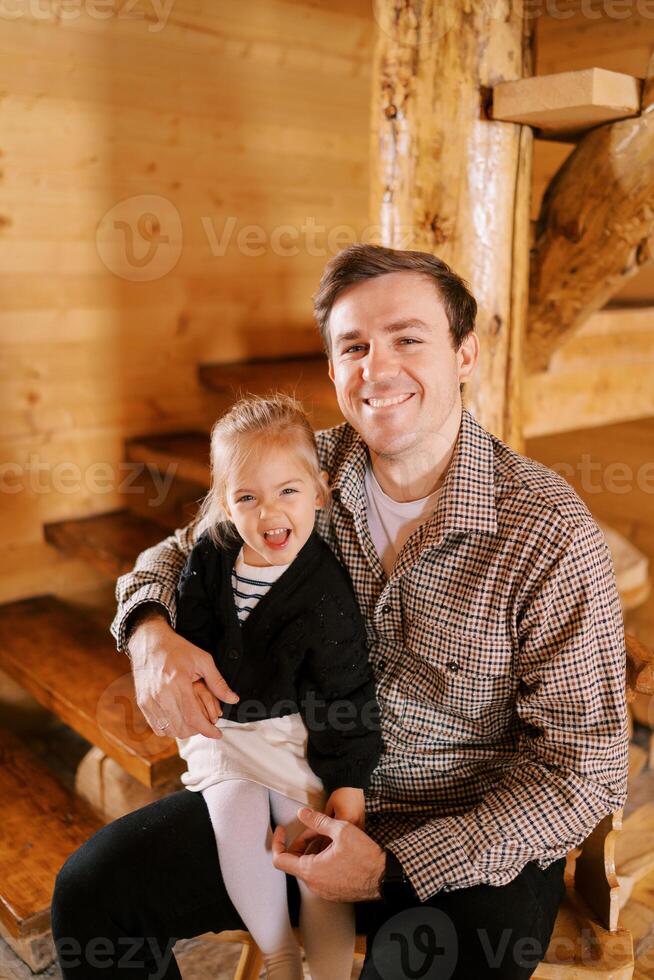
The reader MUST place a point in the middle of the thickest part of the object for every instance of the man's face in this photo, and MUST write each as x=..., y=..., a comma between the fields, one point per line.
x=392, y=362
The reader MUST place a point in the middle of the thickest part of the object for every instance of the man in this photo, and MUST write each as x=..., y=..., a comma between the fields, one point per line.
x=497, y=643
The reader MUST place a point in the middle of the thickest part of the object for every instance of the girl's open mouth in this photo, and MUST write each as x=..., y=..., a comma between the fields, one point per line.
x=277, y=538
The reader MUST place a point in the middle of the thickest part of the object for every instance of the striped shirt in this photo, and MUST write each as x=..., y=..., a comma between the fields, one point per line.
x=250, y=583
x=497, y=644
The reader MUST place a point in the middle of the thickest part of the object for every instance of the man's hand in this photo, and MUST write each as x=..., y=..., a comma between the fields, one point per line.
x=348, y=869
x=165, y=668
x=347, y=803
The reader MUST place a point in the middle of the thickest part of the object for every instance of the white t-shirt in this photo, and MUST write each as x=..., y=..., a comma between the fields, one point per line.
x=392, y=522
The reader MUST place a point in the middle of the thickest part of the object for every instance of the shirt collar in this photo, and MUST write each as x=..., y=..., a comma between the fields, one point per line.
x=468, y=499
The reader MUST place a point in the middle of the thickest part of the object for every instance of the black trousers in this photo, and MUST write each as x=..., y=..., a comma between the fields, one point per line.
x=123, y=899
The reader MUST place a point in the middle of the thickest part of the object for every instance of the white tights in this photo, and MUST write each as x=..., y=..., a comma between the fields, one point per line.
x=240, y=814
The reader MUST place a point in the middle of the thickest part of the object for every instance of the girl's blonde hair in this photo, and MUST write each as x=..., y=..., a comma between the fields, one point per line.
x=251, y=424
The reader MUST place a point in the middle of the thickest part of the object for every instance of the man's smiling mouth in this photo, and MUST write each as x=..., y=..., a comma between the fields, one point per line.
x=387, y=402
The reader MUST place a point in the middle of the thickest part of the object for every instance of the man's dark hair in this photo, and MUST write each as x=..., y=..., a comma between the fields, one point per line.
x=359, y=262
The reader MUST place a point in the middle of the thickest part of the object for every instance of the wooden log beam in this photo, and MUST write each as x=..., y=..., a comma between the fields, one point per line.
x=640, y=668
x=447, y=179
x=595, y=230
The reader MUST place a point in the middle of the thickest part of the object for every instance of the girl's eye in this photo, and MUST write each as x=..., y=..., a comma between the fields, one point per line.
x=244, y=499
x=289, y=490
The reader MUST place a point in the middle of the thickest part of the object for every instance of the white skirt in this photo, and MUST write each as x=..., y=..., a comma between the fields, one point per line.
x=272, y=752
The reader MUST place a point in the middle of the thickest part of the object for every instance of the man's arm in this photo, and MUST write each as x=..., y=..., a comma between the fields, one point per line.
x=152, y=583
x=571, y=767
x=165, y=666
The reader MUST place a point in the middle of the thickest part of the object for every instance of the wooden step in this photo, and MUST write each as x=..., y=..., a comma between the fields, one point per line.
x=303, y=376
x=638, y=758
x=185, y=455
x=42, y=824
x=634, y=850
x=631, y=568
x=569, y=102
x=580, y=947
x=109, y=542
x=59, y=655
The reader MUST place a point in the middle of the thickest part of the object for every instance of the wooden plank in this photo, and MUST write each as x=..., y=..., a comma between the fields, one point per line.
x=548, y=156
x=109, y=542
x=580, y=947
x=62, y=659
x=575, y=35
x=601, y=375
x=42, y=824
x=568, y=102
x=634, y=851
x=185, y=453
x=631, y=568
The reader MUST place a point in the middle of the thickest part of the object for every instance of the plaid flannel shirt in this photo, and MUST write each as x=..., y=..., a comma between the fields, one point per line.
x=498, y=650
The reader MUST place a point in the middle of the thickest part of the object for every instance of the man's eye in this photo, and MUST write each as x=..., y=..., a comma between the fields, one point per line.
x=353, y=348
x=409, y=340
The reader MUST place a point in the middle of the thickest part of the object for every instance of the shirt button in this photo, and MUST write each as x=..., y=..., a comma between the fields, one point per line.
x=232, y=654
x=452, y=665
x=386, y=609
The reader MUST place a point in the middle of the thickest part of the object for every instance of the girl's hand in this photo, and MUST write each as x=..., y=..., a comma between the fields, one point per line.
x=347, y=803
x=207, y=701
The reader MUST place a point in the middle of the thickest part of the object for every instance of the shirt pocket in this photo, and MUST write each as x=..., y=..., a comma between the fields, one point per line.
x=456, y=687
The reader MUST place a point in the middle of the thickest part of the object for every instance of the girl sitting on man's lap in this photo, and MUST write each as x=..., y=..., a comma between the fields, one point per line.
x=264, y=594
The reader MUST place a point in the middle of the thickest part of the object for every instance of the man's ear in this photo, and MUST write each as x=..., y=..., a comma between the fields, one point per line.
x=320, y=498
x=467, y=356
x=330, y=370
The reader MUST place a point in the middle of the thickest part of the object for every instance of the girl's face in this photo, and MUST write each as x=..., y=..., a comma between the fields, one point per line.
x=272, y=500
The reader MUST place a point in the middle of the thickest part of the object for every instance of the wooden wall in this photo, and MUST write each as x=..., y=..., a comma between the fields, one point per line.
x=235, y=115
x=224, y=115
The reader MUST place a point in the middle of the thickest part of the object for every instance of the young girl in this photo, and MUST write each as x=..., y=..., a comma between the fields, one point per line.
x=268, y=599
